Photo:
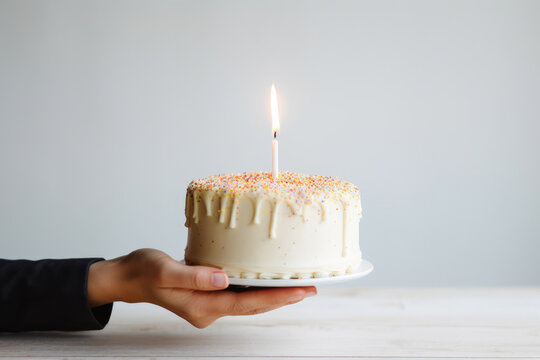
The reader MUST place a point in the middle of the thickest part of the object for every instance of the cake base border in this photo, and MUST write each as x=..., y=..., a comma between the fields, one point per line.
x=364, y=269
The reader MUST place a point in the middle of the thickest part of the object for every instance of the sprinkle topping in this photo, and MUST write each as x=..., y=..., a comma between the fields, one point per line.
x=299, y=188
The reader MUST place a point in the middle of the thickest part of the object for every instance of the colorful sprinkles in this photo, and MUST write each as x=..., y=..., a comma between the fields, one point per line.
x=302, y=189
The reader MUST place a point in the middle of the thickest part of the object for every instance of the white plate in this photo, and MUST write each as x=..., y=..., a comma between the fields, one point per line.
x=365, y=268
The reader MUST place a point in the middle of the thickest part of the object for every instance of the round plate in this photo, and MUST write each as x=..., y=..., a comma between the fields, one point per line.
x=365, y=268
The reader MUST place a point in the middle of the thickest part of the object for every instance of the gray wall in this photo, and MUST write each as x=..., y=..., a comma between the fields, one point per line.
x=109, y=108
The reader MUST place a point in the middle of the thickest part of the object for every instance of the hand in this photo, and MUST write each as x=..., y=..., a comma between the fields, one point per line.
x=149, y=275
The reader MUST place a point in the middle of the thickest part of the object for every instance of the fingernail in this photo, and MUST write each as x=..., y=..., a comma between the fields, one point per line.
x=218, y=279
x=310, y=294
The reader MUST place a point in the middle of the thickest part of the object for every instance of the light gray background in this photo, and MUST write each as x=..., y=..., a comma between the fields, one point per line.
x=109, y=108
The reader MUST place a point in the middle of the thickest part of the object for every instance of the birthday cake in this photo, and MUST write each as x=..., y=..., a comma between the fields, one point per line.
x=252, y=225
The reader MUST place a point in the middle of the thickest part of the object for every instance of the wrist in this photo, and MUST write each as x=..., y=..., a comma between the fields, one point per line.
x=104, y=280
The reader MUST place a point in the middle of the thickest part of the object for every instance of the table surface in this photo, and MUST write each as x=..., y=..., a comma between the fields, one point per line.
x=341, y=322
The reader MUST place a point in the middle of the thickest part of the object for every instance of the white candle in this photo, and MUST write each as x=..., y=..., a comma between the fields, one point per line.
x=275, y=128
x=275, y=169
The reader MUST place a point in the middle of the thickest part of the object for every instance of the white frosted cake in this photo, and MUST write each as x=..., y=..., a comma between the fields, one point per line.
x=255, y=226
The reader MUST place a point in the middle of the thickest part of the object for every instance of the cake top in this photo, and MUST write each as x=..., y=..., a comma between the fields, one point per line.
x=299, y=188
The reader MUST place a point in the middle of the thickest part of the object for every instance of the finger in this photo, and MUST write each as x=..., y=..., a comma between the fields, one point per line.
x=175, y=274
x=260, y=301
x=255, y=301
x=266, y=308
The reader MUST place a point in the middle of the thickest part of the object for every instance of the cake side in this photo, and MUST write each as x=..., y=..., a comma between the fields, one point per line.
x=263, y=234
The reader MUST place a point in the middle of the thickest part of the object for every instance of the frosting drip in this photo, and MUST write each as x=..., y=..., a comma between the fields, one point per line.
x=297, y=192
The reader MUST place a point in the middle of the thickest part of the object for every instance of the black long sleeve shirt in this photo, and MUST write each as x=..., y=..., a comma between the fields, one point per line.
x=48, y=294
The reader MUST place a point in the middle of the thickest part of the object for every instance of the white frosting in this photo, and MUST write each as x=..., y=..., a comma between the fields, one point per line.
x=255, y=235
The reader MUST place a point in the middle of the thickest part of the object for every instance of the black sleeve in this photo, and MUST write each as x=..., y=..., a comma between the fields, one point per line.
x=48, y=295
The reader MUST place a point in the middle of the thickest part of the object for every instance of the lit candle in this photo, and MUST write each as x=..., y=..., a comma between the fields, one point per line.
x=275, y=129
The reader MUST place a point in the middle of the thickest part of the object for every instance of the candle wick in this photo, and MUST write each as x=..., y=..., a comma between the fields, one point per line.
x=275, y=134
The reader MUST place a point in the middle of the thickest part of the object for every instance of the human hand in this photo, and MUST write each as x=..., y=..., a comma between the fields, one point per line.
x=149, y=275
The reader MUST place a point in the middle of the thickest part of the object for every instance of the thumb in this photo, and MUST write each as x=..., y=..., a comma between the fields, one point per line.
x=179, y=275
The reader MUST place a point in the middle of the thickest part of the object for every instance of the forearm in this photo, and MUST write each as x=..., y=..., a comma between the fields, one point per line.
x=48, y=294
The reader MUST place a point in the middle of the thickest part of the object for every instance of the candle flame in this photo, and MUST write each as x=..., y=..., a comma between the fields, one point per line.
x=275, y=110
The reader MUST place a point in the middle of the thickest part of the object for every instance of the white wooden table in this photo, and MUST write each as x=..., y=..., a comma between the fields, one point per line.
x=339, y=322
